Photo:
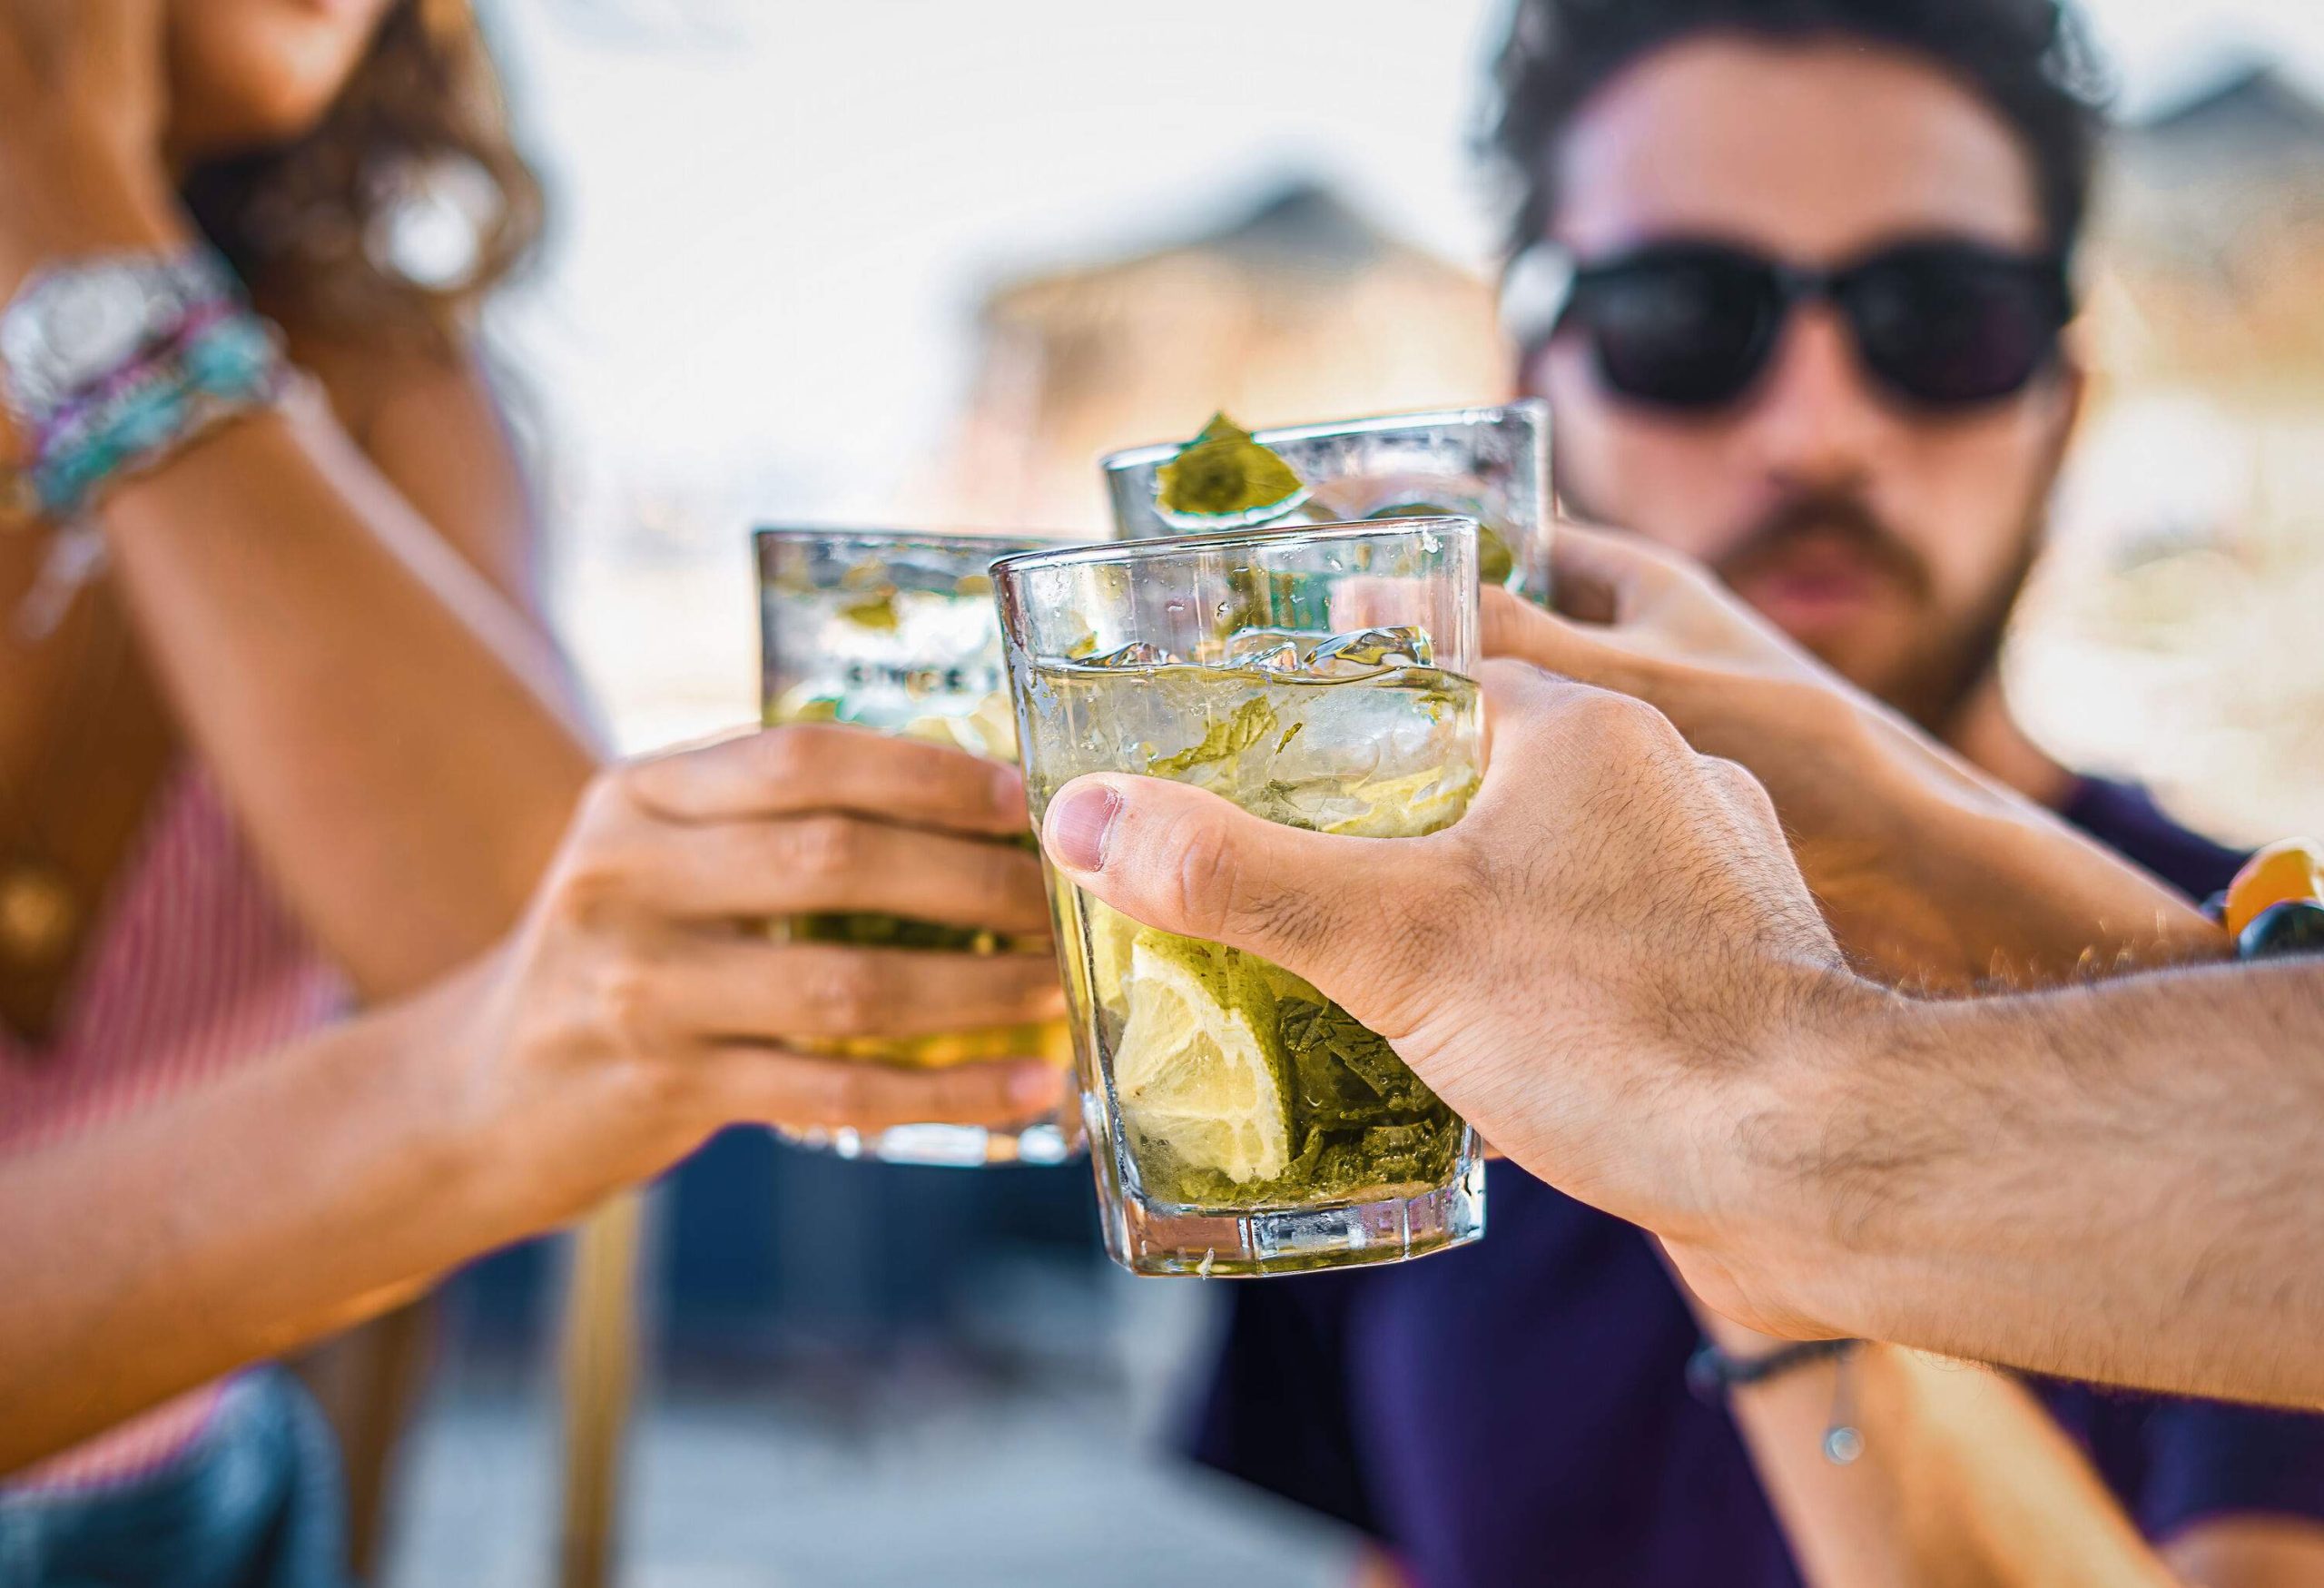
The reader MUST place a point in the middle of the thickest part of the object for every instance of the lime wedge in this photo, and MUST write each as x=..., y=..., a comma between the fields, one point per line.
x=1199, y=1073
x=1225, y=479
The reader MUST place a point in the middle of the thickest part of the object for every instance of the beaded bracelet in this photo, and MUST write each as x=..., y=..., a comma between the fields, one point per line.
x=2275, y=906
x=224, y=362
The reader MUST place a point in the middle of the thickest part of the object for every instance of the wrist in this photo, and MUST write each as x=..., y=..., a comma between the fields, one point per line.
x=1738, y=1340
x=540, y=1120
x=462, y=1125
x=1886, y=869
x=1805, y=1180
x=87, y=201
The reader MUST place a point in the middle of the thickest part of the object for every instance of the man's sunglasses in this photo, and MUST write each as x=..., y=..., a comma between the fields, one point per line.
x=1942, y=325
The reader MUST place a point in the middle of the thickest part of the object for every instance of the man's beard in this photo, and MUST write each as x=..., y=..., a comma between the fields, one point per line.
x=1937, y=677
x=1932, y=680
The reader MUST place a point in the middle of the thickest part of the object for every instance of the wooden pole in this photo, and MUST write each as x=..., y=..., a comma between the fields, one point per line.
x=599, y=1371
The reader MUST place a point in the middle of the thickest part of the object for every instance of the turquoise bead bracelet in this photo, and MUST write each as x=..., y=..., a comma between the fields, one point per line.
x=226, y=365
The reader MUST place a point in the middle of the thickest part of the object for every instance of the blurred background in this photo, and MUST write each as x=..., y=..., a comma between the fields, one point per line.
x=907, y=263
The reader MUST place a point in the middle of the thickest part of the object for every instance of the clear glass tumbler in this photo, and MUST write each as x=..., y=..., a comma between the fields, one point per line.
x=1489, y=464
x=1242, y=1123
x=896, y=632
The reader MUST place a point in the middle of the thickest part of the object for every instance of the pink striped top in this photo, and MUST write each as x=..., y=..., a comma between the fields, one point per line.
x=195, y=967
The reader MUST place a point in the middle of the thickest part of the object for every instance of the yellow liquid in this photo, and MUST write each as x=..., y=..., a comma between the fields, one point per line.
x=1234, y=1084
x=1051, y=1040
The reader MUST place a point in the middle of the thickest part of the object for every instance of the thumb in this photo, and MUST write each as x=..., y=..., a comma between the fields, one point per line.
x=1189, y=862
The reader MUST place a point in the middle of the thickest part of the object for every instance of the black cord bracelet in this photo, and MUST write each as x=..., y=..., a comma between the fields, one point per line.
x=1711, y=1373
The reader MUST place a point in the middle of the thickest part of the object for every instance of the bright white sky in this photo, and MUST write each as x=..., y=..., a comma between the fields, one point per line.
x=776, y=217
x=775, y=214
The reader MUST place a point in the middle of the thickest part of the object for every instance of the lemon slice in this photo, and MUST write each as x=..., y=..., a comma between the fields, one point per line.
x=1410, y=807
x=1195, y=1079
x=990, y=731
x=1112, y=935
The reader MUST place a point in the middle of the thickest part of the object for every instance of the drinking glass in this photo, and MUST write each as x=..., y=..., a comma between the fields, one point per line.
x=895, y=632
x=1241, y=1123
x=1489, y=464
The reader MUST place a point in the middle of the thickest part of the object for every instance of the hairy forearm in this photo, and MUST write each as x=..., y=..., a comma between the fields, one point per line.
x=399, y=741
x=1964, y=1480
x=2122, y=1181
x=236, y=1221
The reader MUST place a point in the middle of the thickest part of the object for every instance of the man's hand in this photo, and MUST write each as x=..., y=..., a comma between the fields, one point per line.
x=1929, y=872
x=1598, y=965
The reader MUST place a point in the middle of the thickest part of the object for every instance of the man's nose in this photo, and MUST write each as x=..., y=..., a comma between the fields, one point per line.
x=1816, y=421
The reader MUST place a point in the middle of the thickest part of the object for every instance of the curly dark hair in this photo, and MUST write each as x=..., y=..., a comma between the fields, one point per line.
x=2030, y=60
x=309, y=226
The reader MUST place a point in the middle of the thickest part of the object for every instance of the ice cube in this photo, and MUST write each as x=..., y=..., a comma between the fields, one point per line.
x=1139, y=653
x=1368, y=651
x=1271, y=650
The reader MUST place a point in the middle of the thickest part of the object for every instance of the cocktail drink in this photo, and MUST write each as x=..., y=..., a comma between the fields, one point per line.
x=896, y=633
x=1242, y=1122
x=1489, y=464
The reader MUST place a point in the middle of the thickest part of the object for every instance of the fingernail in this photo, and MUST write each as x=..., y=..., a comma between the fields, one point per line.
x=1079, y=826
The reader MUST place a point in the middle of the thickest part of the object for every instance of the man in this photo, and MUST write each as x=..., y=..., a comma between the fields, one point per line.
x=1867, y=465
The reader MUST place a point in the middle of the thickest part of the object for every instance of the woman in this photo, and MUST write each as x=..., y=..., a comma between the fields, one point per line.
x=279, y=732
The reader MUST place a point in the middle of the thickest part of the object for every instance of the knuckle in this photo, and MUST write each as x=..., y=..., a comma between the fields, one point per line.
x=629, y=1004
x=1288, y=917
x=1732, y=776
x=1745, y=793
x=1202, y=885
x=594, y=889
x=613, y=797
x=1630, y=726
x=826, y=847
x=783, y=756
x=839, y=1094
x=1608, y=714
x=846, y=996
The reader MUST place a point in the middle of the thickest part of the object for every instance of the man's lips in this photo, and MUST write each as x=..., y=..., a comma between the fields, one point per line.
x=1808, y=590
x=341, y=10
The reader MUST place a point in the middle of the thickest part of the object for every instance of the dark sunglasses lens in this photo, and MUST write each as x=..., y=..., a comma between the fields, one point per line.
x=1954, y=328
x=1681, y=331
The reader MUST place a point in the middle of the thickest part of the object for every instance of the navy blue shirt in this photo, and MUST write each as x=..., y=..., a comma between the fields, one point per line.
x=1517, y=1412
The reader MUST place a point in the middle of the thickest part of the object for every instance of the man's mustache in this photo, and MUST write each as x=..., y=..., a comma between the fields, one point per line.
x=1842, y=518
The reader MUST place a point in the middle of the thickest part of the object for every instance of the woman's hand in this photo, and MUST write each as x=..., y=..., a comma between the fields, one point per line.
x=640, y=1007
x=643, y=1004
x=82, y=113
x=1929, y=872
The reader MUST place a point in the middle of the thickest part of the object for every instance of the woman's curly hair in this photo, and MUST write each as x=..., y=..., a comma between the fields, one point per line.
x=314, y=227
